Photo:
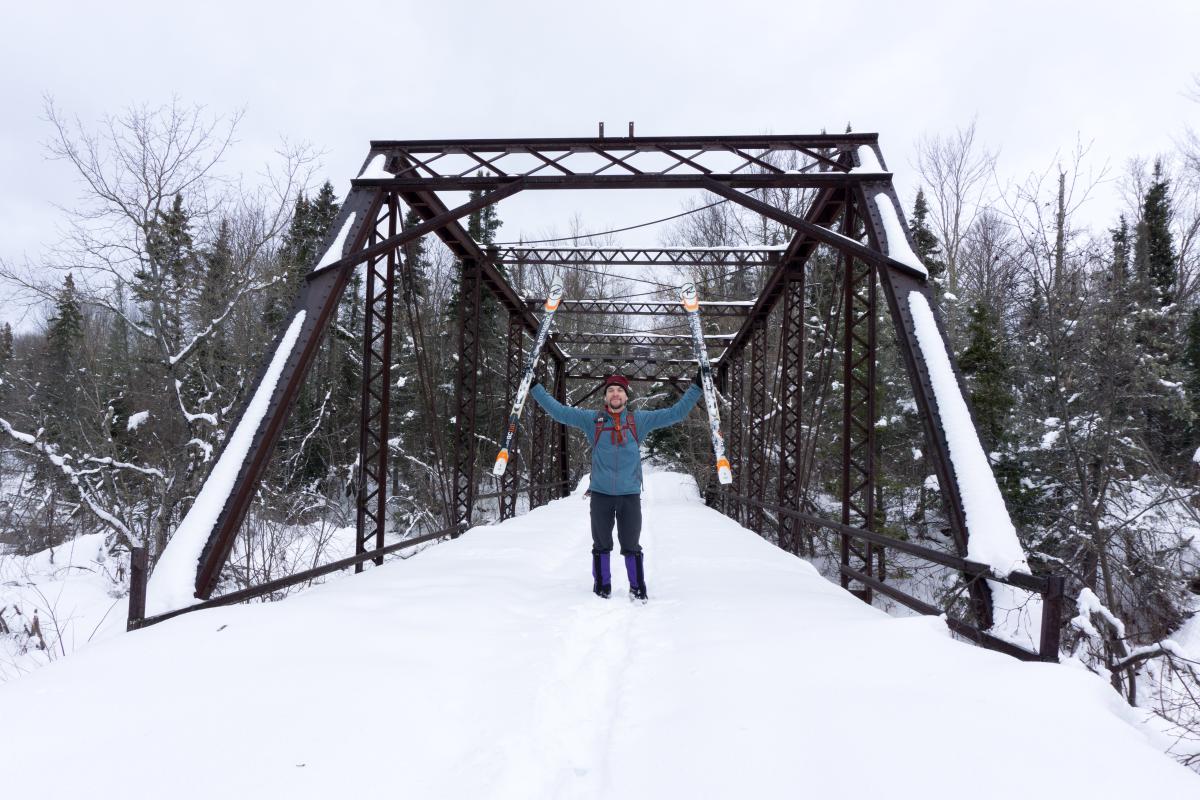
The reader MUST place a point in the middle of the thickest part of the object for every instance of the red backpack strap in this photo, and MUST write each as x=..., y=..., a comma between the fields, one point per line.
x=633, y=427
x=599, y=428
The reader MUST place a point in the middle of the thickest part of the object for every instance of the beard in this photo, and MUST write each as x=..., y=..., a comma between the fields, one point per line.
x=617, y=404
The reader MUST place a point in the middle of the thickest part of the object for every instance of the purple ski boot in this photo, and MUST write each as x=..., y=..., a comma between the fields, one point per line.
x=601, y=575
x=637, y=577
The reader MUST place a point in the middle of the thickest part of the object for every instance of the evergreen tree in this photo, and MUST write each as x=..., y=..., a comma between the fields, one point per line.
x=1120, y=256
x=212, y=358
x=60, y=381
x=1155, y=247
x=6, y=357
x=987, y=370
x=928, y=247
x=1192, y=359
x=161, y=283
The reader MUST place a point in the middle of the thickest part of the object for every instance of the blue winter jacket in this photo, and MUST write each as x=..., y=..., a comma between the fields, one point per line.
x=616, y=457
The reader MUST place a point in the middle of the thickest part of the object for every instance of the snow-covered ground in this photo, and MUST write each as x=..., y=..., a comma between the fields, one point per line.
x=485, y=668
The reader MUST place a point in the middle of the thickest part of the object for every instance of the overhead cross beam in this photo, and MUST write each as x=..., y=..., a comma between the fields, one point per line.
x=641, y=256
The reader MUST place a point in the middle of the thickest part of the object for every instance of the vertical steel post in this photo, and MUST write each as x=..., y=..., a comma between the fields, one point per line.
x=511, y=477
x=737, y=424
x=537, y=449
x=139, y=568
x=1052, y=618
x=564, y=455
x=859, y=345
x=468, y=372
x=757, y=478
x=791, y=386
x=375, y=412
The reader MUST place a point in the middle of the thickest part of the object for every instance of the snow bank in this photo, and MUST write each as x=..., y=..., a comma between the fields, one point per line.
x=173, y=582
x=511, y=680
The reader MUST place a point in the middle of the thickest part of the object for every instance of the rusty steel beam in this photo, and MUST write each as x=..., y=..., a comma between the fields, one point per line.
x=469, y=302
x=859, y=346
x=791, y=385
x=737, y=427
x=757, y=439
x=641, y=256
x=713, y=309
x=640, y=340
x=513, y=363
x=592, y=181
x=375, y=411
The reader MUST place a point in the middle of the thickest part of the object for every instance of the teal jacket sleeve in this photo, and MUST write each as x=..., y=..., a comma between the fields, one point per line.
x=575, y=417
x=652, y=420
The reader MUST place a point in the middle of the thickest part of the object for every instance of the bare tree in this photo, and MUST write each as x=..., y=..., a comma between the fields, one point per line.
x=956, y=170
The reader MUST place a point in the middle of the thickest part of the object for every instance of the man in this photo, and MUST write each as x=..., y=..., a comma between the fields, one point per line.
x=615, y=434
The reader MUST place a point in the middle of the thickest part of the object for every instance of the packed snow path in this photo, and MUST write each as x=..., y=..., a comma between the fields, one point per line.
x=485, y=668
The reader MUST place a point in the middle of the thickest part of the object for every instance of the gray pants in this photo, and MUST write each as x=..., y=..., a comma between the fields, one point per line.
x=626, y=511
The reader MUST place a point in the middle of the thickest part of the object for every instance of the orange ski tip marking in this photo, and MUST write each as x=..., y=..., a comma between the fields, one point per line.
x=550, y=306
x=722, y=462
x=502, y=456
x=691, y=305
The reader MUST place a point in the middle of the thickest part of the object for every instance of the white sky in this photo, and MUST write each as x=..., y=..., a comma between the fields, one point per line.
x=1036, y=75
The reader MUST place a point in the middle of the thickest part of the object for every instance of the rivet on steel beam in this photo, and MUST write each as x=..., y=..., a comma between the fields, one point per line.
x=631, y=129
x=601, y=130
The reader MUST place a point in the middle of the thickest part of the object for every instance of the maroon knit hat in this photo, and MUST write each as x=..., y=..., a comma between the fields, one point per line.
x=616, y=380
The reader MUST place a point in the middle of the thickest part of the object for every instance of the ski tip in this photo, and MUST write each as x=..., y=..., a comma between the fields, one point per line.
x=724, y=473
x=688, y=296
x=555, y=297
x=501, y=462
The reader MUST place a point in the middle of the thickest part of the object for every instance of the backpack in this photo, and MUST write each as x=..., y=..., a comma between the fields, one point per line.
x=630, y=424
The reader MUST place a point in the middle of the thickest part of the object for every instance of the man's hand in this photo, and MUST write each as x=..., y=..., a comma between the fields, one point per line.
x=698, y=380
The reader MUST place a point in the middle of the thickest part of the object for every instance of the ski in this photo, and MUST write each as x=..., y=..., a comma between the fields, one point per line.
x=691, y=304
x=552, y=301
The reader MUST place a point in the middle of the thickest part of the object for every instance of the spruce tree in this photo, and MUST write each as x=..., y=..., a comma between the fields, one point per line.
x=161, y=283
x=60, y=381
x=6, y=357
x=212, y=357
x=928, y=247
x=1156, y=259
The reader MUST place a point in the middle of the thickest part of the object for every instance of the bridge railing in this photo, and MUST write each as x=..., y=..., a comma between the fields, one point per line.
x=1049, y=587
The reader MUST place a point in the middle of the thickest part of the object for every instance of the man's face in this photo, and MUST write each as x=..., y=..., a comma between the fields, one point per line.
x=615, y=397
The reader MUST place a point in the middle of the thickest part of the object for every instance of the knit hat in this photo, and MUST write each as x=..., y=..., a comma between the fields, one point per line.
x=616, y=380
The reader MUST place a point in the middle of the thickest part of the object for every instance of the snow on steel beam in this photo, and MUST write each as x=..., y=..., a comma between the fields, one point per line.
x=617, y=256
x=624, y=180
x=732, y=308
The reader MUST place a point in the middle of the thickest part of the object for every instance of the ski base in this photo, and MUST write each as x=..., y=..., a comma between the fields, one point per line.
x=501, y=463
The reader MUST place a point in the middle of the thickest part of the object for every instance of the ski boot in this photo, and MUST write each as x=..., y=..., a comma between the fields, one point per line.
x=602, y=579
x=637, y=577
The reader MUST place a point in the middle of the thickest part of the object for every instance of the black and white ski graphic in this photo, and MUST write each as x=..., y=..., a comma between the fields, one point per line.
x=552, y=301
x=691, y=304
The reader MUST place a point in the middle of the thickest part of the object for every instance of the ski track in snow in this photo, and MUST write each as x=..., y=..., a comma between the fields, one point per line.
x=485, y=668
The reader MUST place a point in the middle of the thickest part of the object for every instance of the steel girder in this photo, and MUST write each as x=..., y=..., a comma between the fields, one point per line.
x=791, y=385
x=899, y=289
x=859, y=346
x=757, y=440
x=560, y=438
x=376, y=394
x=642, y=256
x=737, y=426
x=620, y=163
x=730, y=309
x=538, y=440
x=469, y=306
x=640, y=340
x=513, y=368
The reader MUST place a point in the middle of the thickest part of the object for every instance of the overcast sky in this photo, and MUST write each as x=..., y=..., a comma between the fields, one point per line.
x=1037, y=76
